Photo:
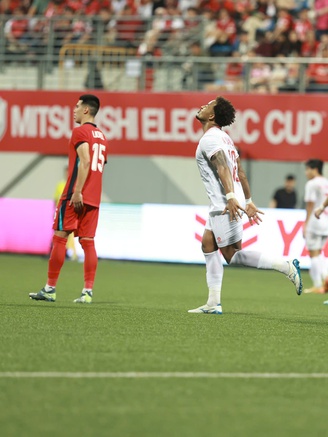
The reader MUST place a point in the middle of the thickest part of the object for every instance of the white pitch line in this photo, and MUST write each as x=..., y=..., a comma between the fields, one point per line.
x=140, y=375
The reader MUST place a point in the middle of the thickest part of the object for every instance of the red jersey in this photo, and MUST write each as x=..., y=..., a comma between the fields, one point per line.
x=18, y=27
x=228, y=26
x=318, y=73
x=98, y=148
x=321, y=20
x=309, y=48
x=302, y=27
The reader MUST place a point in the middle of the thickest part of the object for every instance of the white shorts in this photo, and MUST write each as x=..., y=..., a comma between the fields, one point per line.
x=314, y=241
x=225, y=231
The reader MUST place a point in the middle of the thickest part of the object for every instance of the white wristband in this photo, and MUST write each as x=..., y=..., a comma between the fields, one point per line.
x=248, y=201
x=230, y=195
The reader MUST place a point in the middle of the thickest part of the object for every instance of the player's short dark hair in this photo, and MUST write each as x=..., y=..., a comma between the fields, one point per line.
x=290, y=177
x=224, y=112
x=315, y=163
x=91, y=101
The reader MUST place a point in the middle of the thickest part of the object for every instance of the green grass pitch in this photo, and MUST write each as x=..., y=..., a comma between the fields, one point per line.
x=138, y=322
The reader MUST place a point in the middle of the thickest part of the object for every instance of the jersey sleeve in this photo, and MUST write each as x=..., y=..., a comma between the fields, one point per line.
x=79, y=136
x=210, y=145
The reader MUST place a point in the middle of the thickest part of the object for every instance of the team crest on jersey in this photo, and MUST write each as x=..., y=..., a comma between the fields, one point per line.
x=219, y=239
x=3, y=117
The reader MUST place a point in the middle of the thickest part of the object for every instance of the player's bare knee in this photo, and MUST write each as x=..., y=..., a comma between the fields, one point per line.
x=208, y=247
x=208, y=242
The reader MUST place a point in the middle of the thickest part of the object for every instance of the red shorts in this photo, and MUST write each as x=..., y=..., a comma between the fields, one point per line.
x=83, y=224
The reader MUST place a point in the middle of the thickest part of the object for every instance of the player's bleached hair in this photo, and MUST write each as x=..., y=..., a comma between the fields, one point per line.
x=91, y=101
x=224, y=112
x=315, y=163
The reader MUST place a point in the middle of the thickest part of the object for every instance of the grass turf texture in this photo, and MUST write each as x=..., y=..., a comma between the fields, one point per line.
x=139, y=322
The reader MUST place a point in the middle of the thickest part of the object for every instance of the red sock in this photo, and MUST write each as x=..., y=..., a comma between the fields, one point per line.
x=56, y=260
x=90, y=262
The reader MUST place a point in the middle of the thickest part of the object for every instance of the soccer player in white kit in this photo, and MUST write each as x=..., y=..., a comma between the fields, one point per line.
x=228, y=189
x=315, y=231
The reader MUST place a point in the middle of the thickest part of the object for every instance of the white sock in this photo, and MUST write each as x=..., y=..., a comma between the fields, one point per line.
x=214, y=276
x=323, y=268
x=87, y=290
x=315, y=271
x=269, y=262
x=248, y=258
x=48, y=288
x=259, y=260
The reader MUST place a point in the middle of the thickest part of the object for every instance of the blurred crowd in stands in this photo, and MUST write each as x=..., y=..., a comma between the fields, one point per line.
x=192, y=28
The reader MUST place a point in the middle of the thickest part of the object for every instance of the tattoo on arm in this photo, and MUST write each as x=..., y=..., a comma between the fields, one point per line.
x=219, y=160
x=221, y=166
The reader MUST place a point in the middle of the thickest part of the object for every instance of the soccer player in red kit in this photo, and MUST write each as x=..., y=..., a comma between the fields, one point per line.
x=78, y=208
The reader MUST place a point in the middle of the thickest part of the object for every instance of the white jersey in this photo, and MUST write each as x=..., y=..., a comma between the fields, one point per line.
x=211, y=142
x=316, y=191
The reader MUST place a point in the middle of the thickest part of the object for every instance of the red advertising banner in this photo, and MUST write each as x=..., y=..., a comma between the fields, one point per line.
x=289, y=127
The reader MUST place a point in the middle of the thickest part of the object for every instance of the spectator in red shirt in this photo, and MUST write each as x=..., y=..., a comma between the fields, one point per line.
x=224, y=35
x=321, y=14
x=16, y=32
x=302, y=24
x=88, y=7
x=318, y=73
x=310, y=45
x=226, y=25
x=284, y=23
x=217, y=5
